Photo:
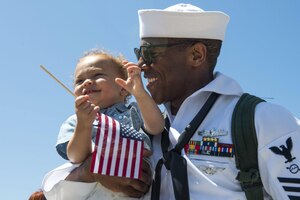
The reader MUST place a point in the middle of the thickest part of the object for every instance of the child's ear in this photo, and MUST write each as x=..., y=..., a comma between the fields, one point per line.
x=124, y=92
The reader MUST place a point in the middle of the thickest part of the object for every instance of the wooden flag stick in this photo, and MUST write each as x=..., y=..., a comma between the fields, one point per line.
x=49, y=73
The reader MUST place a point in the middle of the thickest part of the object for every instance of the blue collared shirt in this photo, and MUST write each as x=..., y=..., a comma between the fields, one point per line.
x=127, y=115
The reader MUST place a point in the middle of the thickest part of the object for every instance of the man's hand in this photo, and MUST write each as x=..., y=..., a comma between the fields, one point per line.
x=130, y=187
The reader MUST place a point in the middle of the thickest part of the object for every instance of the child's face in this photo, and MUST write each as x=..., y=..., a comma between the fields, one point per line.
x=95, y=76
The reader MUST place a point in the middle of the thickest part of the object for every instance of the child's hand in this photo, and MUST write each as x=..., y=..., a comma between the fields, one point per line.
x=86, y=111
x=133, y=84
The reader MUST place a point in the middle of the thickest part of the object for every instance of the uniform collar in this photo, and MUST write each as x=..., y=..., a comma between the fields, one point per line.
x=221, y=84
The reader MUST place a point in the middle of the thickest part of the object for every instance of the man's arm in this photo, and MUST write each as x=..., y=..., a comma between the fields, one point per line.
x=130, y=187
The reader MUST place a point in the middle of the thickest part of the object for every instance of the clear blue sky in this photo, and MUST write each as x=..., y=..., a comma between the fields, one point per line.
x=261, y=51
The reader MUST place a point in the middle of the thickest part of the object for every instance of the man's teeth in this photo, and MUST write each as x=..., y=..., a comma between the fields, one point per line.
x=150, y=80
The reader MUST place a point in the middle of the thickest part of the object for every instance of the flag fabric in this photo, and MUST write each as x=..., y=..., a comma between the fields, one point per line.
x=118, y=149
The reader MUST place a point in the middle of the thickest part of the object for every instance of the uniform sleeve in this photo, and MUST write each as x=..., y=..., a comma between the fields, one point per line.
x=278, y=151
x=55, y=187
x=65, y=133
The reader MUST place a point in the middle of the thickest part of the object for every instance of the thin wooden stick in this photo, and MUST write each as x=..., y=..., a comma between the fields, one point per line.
x=49, y=73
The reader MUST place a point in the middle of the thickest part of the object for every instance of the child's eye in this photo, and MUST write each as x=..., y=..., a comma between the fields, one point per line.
x=98, y=75
x=78, y=81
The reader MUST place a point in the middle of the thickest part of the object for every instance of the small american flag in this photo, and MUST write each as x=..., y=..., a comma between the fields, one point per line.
x=118, y=149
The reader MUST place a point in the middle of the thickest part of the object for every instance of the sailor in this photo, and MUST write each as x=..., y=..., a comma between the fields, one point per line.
x=178, y=54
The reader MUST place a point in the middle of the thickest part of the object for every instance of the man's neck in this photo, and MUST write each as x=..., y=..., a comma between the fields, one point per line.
x=176, y=103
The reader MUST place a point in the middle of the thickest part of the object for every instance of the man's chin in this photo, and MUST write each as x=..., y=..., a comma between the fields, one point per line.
x=156, y=94
x=158, y=100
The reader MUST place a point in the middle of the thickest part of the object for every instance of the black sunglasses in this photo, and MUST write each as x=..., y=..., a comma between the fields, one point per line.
x=145, y=53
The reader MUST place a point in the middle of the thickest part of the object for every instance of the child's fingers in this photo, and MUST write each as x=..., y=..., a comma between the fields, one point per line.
x=127, y=64
x=82, y=103
x=134, y=70
x=81, y=99
x=95, y=109
x=88, y=108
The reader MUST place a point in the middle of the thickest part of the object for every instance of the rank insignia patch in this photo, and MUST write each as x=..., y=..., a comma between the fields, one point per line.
x=284, y=150
x=209, y=146
x=291, y=186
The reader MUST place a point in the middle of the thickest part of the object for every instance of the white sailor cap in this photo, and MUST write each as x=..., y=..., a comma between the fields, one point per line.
x=182, y=21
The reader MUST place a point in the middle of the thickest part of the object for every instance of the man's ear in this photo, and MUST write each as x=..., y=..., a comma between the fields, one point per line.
x=198, y=54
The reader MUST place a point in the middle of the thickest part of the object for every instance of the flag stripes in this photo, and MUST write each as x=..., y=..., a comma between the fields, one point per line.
x=118, y=149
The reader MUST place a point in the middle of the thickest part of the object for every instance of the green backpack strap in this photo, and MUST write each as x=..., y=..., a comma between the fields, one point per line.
x=245, y=142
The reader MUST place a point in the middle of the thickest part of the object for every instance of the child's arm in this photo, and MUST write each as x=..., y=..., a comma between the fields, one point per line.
x=152, y=116
x=80, y=145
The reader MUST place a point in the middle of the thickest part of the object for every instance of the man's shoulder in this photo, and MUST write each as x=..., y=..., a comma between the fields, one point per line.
x=273, y=121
